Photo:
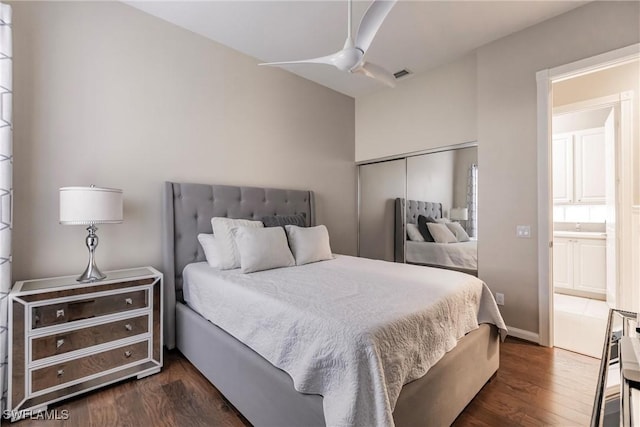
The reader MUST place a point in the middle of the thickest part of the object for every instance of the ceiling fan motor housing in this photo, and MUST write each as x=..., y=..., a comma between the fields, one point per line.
x=347, y=59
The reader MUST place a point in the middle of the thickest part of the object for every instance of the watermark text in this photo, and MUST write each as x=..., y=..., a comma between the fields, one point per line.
x=44, y=415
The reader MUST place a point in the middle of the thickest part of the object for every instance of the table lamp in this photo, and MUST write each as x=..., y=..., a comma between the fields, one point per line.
x=90, y=206
x=459, y=214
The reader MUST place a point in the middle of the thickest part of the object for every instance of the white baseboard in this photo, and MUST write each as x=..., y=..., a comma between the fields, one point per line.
x=523, y=335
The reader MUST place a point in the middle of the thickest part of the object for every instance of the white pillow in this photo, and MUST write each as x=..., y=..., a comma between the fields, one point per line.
x=229, y=256
x=211, y=250
x=441, y=233
x=262, y=248
x=458, y=231
x=414, y=233
x=442, y=220
x=309, y=244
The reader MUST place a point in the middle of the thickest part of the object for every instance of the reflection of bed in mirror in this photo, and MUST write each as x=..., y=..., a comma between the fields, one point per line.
x=460, y=256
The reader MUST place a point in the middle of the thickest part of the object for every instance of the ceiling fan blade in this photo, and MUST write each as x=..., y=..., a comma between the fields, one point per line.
x=376, y=72
x=371, y=22
x=328, y=60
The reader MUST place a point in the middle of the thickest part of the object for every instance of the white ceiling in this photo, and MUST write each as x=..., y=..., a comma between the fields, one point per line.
x=417, y=35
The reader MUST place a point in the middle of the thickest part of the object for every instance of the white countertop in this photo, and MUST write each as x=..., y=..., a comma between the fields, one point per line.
x=581, y=234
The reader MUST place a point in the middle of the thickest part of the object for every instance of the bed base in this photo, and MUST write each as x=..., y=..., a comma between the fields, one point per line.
x=446, y=267
x=265, y=394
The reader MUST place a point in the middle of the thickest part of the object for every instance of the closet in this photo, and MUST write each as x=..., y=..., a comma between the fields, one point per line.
x=440, y=176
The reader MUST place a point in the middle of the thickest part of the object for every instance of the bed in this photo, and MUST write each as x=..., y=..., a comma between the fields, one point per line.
x=264, y=394
x=460, y=256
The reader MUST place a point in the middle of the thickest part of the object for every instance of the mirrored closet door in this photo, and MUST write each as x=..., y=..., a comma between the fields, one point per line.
x=422, y=209
x=380, y=185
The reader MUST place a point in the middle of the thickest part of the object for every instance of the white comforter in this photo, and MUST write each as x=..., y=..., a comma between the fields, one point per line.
x=353, y=330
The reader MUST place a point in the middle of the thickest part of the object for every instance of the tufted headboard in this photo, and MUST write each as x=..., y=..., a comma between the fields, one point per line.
x=411, y=211
x=188, y=209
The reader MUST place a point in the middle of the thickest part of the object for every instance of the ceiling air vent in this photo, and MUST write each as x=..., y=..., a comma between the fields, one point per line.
x=402, y=73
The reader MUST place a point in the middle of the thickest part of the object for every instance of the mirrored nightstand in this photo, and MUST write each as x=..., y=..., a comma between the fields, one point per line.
x=68, y=338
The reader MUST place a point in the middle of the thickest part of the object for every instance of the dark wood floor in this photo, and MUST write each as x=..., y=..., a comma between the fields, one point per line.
x=535, y=386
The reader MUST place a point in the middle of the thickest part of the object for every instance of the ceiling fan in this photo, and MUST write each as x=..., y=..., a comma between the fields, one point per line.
x=351, y=57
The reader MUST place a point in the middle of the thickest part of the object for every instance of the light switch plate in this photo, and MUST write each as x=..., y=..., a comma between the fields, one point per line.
x=523, y=231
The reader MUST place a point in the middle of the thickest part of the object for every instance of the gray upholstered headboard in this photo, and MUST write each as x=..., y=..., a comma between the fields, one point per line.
x=412, y=210
x=188, y=209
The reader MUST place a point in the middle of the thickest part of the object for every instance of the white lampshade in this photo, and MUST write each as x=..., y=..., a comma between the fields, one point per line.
x=90, y=205
x=459, y=214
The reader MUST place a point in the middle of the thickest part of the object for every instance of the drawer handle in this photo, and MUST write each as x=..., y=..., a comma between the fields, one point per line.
x=60, y=372
x=59, y=313
x=128, y=327
x=128, y=301
x=127, y=353
x=59, y=343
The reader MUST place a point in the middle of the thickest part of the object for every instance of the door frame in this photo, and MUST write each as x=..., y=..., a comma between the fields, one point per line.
x=544, y=80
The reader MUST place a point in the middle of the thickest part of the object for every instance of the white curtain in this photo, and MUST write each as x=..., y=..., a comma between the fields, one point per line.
x=6, y=187
x=472, y=201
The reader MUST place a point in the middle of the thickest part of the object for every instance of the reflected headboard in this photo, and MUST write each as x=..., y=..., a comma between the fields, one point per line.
x=188, y=209
x=413, y=209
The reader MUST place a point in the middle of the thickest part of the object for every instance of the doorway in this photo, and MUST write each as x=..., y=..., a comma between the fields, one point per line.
x=584, y=197
x=587, y=173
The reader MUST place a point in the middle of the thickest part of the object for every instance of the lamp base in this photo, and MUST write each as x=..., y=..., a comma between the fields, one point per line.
x=92, y=273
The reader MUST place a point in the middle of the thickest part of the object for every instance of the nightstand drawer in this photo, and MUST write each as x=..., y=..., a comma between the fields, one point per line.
x=55, y=314
x=71, y=370
x=65, y=342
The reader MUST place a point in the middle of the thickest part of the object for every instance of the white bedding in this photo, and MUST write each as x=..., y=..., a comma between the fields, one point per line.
x=457, y=255
x=353, y=330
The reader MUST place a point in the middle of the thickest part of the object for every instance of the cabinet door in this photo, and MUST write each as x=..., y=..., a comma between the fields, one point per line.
x=562, y=263
x=590, y=186
x=562, y=164
x=590, y=265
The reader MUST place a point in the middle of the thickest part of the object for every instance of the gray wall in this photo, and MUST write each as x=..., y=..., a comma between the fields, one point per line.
x=507, y=155
x=490, y=96
x=106, y=94
x=429, y=110
x=430, y=178
x=441, y=177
